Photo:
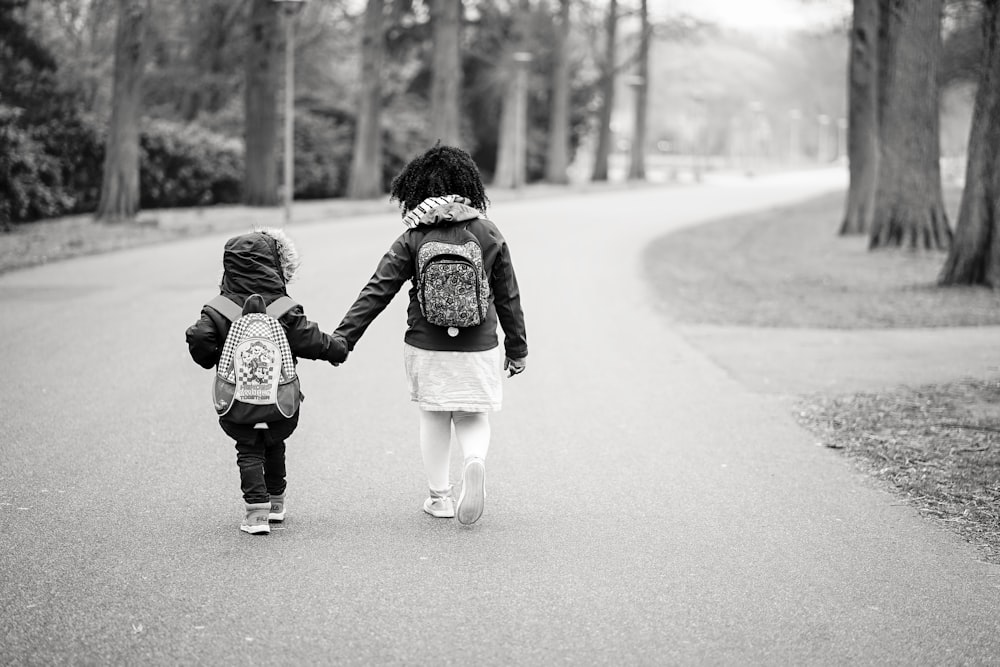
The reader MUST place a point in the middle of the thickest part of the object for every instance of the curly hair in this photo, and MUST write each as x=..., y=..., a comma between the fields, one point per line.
x=441, y=171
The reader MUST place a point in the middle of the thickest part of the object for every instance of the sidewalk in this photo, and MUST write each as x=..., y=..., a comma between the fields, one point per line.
x=801, y=361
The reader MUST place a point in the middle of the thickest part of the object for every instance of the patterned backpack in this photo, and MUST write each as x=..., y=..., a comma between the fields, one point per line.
x=255, y=380
x=453, y=289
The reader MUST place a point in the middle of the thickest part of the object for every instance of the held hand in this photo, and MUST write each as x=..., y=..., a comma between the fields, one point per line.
x=338, y=351
x=514, y=366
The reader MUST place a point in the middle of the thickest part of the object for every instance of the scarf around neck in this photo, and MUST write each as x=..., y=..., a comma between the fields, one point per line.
x=434, y=210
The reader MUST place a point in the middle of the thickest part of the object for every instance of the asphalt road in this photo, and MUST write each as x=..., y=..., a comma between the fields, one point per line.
x=644, y=506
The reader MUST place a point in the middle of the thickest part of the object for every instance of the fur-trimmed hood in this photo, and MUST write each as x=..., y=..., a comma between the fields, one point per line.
x=261, y=262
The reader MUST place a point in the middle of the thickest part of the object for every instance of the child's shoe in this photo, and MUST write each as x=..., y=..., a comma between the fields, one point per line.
x=440, y=504
x=277, y=512
x=255, y=521
x=473, y=496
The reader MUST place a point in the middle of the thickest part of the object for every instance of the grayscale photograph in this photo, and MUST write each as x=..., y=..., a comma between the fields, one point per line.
x=499, y=332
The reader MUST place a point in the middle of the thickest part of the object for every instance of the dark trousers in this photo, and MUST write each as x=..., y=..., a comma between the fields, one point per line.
x=260, y=455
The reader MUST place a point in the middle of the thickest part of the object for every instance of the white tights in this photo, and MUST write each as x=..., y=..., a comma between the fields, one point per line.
x=472, y=430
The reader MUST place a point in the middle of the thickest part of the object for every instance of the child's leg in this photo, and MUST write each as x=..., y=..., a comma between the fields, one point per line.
x=435, y=447
x=472, y=429
x=473, y=432
x=274, y=457
x=250, y=448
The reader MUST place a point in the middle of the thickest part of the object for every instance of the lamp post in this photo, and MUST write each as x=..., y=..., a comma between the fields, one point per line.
x=841, y=138
x=637, y=163
x=521, y=60
x=794, y=118
x=699, y=153
x=822, y=148
x=291, y=9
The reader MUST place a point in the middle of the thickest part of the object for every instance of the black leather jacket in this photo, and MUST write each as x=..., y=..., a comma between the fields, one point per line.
x=398, y=265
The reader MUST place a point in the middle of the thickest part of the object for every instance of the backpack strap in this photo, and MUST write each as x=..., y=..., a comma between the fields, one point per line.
x=226, y=307
x=280, y=306
x=232, y=312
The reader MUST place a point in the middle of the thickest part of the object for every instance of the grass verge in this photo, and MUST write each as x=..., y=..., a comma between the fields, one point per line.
x=35, y=243
x=937, y=446
x=47, y=241
x=788, y=268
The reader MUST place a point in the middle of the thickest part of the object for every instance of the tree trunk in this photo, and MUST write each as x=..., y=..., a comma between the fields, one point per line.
x=557, y=161
x=366, y=165
x=263, y=75
x=446, y=71
x=637, y=163
x=120, y=186
x=909, y=205
x=974, y=258
x=602, y=152
x=511, y=144
x=862, y=124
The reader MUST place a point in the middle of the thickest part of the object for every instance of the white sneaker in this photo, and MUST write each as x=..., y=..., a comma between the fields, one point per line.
x=277, y=511
x=473, y=496
x=443, y=507
x=255, y=520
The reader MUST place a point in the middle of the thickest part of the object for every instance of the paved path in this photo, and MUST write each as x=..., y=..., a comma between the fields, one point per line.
x=645, y=506
x=800, y=361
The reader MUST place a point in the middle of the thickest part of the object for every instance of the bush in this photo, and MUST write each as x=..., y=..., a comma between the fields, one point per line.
x=186, y=165
x=55, y=168
x=77, y=144
x=30, y=178
x=323, y=147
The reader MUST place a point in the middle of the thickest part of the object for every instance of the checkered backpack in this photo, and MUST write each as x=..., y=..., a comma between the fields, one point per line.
x=255, y=380
x=452, y=287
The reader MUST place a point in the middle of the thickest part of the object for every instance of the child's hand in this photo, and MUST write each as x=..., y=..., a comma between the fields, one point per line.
x=338, y=350
x=514, y=366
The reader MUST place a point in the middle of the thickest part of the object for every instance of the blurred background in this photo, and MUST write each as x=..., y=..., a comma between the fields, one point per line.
x=561, y=91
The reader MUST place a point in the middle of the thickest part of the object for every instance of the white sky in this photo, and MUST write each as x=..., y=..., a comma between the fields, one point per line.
x=753, y=15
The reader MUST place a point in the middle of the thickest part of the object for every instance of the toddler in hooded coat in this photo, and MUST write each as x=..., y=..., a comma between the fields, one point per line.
x=262, y=262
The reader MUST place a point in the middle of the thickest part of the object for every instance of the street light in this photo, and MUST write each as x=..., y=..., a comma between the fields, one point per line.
x=841, y=137
x=822, y=149
x=794, y=118
x=291, y=9
x=521, y=60
x=637, y=165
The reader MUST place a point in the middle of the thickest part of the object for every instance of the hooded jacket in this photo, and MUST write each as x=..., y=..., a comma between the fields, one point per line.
x=398, y=265
x=261, y=262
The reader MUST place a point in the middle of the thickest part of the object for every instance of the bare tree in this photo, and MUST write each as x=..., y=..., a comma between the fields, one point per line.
x=366, y=165
x=909, y=205
x=862, y=118
x=974, y=258
x=263, y=76
x=603, y=151
x=120, y=186
x=557, y=161
x=637, y=163
x=446, y=71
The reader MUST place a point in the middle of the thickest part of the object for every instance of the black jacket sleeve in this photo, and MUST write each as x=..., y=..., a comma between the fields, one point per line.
x=205, y=339
x=308, y=341
x=507, y=300
x=394, y=269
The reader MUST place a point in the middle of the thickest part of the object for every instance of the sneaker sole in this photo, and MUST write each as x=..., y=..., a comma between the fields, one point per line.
x=473, y=496
x=440, y=514
x=256, y=530
x=276, y=518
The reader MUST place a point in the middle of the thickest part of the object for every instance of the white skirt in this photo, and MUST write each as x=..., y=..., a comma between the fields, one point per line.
x=445, y=381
